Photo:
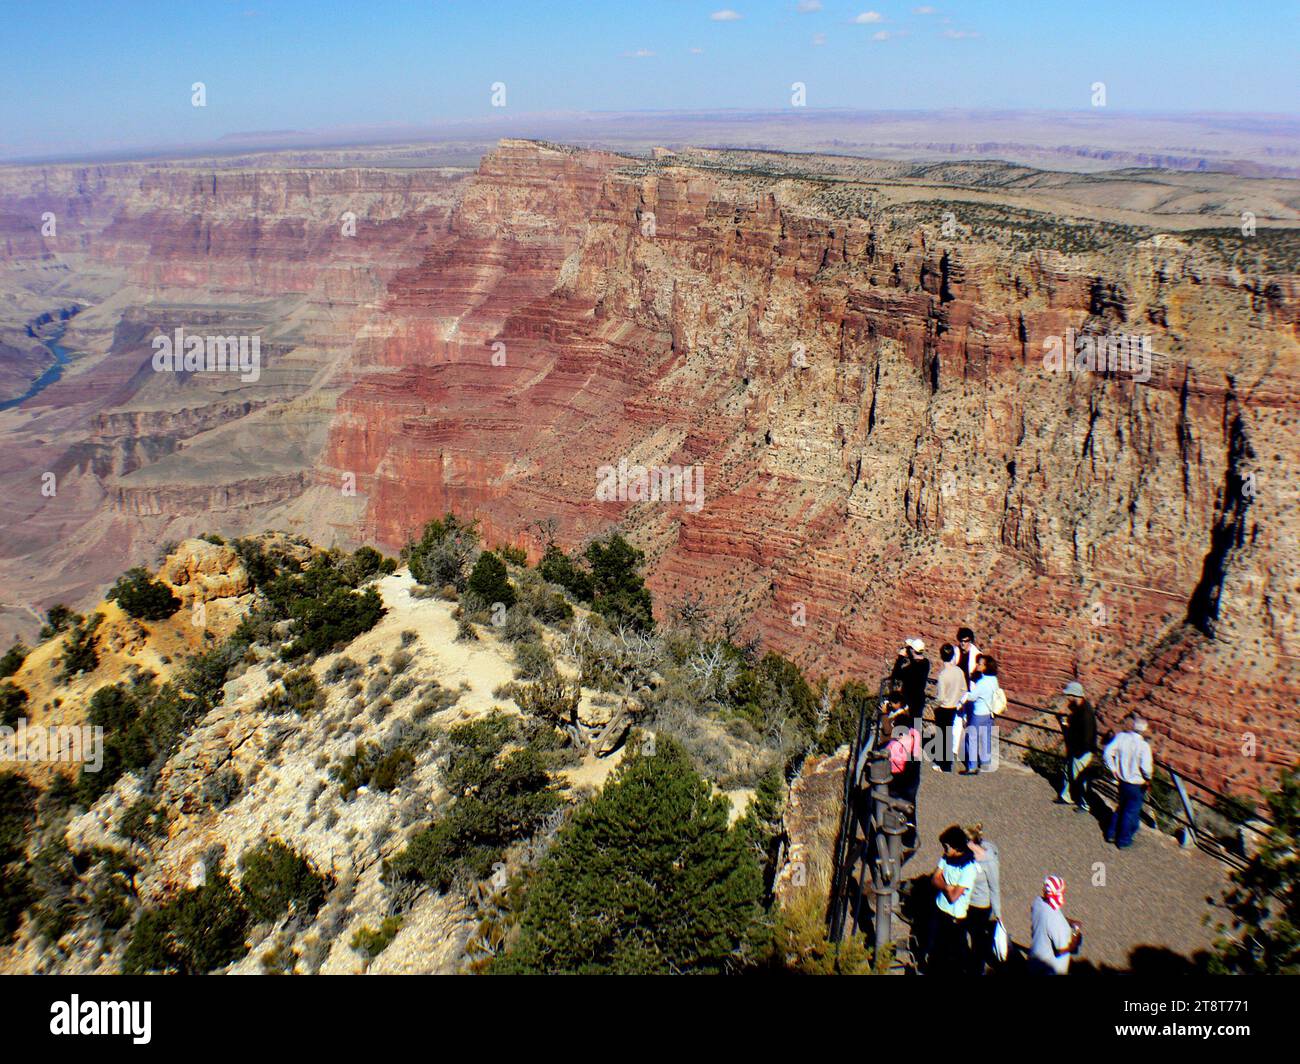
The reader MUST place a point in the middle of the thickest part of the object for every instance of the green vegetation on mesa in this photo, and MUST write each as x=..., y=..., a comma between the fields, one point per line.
x=499, y=796
x=721, y=713
x=143, y=597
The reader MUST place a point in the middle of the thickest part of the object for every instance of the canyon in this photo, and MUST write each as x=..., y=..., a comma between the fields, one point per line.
x=850, y=351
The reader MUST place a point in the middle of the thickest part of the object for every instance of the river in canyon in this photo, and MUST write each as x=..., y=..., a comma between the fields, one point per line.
x=61, y=359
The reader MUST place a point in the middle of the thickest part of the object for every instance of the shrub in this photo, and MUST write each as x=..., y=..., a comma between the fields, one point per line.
x=558, y=568
x=772, y=692
x=17, y=814
x=647, y=877
x=13, y=703
x=513, y=555
x=331, y=621
x=143, y=597
x=201, y=929
x=497, y=798
x=372, y=766
x=518, y=627
x=533, y=661
x=79, y=653
x=801, y=945
x=58, y=618
x=465, y=631
x=550, y=699
x=277, y=879
x=342, y=669
x=365, y=563
x=442, y=553
x=297, y=692
x=13, y=660
x=16, y=895
x=489, y=583
x=143, y=822
x=371, y=943
x=142, y=724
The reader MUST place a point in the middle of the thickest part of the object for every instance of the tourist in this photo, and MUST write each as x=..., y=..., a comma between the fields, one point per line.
x=904, y=750
x=985, y=899
x=1053, y=938
x=967, y=652
x=979, y=721
x=1128, y=757
x=1079, y=729
x=949, y=691
x=953, y=880
x=912, y=671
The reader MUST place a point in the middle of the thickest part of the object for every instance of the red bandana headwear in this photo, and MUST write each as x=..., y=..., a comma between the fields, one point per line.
x=1054, y=891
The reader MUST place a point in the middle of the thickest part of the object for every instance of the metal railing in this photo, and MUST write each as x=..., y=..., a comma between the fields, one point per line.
x=846, y=857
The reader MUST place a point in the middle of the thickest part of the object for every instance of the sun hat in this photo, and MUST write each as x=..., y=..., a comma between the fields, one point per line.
x=1074, y=689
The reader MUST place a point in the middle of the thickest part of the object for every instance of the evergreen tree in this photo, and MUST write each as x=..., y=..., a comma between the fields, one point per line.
x=488, y=581
x=1265, y=899
x=142, y=597
x=647, y=877
x=619, y=591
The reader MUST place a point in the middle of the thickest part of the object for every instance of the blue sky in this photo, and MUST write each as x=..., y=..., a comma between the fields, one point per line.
x=89, y=76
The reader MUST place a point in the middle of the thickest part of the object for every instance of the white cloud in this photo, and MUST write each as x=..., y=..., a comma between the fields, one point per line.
x=819, y=39
x=924, y=9
x=697, y=51
x=868, y=17
x=809, y=5
x=882, y=35
x=640, y=53
x=960, y=35
x=726, y=15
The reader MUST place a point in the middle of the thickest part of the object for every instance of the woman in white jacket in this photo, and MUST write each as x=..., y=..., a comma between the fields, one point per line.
x=978, y=737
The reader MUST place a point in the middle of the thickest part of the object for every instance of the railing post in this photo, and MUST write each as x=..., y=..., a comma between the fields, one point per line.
x=1187, y=804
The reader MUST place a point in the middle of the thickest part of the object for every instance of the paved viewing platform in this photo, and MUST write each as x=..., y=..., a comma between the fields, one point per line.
x=1142, y=908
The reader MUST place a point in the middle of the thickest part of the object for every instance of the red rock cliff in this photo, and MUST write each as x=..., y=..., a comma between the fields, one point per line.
x=883, y=451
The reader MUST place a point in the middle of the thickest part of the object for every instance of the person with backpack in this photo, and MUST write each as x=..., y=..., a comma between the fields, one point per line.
x=953, y=881
x=985, y=900
x=950, y=690
x=984, y=701
x=1079, y=729
x=904, y=750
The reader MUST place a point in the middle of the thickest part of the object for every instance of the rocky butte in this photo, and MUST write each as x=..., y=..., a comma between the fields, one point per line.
x=851, y=352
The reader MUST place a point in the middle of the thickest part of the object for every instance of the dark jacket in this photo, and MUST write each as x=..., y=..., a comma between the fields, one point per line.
x=913, y=675
x=1081, y=730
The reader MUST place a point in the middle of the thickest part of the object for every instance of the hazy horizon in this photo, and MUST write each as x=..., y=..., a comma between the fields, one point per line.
x=82, y=80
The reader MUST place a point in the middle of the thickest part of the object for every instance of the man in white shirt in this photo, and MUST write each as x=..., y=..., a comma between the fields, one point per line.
x=948, y=695
x=1128, y=757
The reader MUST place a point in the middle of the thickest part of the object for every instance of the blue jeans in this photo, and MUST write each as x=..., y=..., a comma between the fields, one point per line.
x=978, y=741
x=1128, y=815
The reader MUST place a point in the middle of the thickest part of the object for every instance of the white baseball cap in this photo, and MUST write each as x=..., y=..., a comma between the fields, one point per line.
x=916, y=643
